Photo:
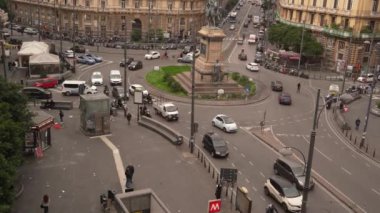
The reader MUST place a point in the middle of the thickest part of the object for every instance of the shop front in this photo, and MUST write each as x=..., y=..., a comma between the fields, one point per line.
x=38, y=138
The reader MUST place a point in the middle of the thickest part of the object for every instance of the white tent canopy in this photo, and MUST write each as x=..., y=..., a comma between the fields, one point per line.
x=44, y=58
x=33, y=48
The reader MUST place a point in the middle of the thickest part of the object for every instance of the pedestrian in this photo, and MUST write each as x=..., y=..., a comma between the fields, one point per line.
x=129, y=173
x=129, y=117
x=271, y=209
x=61, y=115
x=218, y=191
x=357, y=124
x=298, y=87
x=45, y=203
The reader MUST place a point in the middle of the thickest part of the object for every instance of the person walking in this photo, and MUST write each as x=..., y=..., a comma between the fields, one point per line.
x=271, y=209
x=61, y=115
x=298, y=87
x=129, y=117
x=45, y=203
x=218, y=191
x=129, y=171
x=357, y=124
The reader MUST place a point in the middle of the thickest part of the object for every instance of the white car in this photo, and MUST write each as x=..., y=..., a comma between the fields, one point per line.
x=224, y=123
x=152, y=55
x=284, y=192
x=253, y=67
x=139, y=87
x=197, y=53
x=69, y=54
x=30, y=31
x=96, y=78
x=232, y=27
x=367, y=78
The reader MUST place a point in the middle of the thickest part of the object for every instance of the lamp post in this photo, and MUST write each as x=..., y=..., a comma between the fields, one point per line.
x=125, y=58
x=4, y=55
x=39, y=22
x=192, y=123
x=301, y=47
x=372, y=85
x=73, y=34
x=346, y=64
x=287, y=151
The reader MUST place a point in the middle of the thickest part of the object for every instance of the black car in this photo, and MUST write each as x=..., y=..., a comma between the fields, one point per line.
x=260, y=47
x=118, y=92
x=276, y=86
x=243, y=56
x=129, y=61
x=284, y=98
x=135, y=65
x=36, y=93
x=78, y=49
x=293, y=171
x=215, y=144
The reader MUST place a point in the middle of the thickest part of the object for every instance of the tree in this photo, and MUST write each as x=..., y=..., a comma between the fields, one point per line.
x=3, y=5
x=15, y=120
x=136, y=35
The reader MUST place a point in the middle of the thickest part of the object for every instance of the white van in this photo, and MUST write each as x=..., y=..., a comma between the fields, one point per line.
x=70, y=87
x=252, y=39
x=115, y=77
x=256, y=21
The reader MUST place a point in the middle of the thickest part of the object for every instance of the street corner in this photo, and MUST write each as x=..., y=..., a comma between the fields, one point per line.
x=265, y=134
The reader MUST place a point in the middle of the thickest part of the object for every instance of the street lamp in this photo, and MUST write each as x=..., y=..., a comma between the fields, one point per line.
x=192, y=123
x=125, y=57
x=4, y=54
x=288, y=151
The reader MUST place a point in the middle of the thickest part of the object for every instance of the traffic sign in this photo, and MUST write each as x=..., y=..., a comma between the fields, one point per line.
x=214, y=206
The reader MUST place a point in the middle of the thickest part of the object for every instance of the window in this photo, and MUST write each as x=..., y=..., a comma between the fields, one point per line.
x=191, y=5
x=333, y=19
x=335, y=4
x=322, y=21
x=170, y=4
x=291, y=15
x=349, y=4
x=183, y=5
x=87, y=17
x=122, y=19
x=65, y=2
x=123, y=26
x=340, y=56
x=324, y=3
x=299, y=16
x=87, y=3
x=302, y=1
x=375, y=5
x=371, y=25
x=103, y=4
x=346, y=23
x=102, y=18
x=341, y=45
x=314, y=3
x=182, y=21
x=367, y=47
x=122, y=3
x=170, y=20
x=137, y=3
x=312, y=18
x=75, y=2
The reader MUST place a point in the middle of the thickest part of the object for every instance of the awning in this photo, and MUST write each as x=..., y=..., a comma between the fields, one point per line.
x=33, y=48
x=44, y=58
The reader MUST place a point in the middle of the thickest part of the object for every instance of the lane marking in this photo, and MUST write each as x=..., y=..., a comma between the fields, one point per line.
x=328, y=158
x=262, y=198
x=254, y=188
x=377, y=192
x=240, y=173
x=233, y=165
x=345, y=170
x=246, y=180
x=262, y=174
x=118, y=161
x=242, y=155
x=250, y=162
x=235, y=148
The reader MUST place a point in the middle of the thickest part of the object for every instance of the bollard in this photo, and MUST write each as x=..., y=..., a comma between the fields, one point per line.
x=198, y=153
x=204, y=163
x=202, y=158
x=213, y=173
x=351, y=136
x=366, y=149
x=346, y=133
x=209, y=169
x=217, y=179
x=374, y=153
x=355, y=140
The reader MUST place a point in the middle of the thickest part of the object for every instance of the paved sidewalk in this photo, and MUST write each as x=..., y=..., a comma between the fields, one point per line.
x=76, y=169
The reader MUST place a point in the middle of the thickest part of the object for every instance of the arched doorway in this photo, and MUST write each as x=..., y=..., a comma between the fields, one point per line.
x=136, y=30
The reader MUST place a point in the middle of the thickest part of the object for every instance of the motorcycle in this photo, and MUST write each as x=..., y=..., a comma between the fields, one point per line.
x=148, y=99
x=106, y=200
x=106, y=91
x=145, y=112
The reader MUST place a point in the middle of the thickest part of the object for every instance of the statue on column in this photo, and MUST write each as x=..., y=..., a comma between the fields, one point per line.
x=213, y=13
x=217, y=74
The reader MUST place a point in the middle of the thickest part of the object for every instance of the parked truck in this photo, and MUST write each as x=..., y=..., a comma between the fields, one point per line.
x=167, y=110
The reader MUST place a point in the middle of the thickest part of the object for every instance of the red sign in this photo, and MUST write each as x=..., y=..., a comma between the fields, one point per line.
x=214, y=206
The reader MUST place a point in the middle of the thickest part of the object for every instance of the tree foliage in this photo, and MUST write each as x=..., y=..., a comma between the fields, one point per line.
x=289, y=38
x=15, y=120
x=3, y=5
x=231, y=4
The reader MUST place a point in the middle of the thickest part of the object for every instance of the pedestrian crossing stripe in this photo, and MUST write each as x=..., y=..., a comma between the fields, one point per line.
x=230, y=39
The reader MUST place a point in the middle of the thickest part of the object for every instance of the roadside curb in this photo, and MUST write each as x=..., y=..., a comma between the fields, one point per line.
x=269, y=139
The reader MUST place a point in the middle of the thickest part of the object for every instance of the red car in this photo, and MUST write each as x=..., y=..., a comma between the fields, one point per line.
x=46, y=83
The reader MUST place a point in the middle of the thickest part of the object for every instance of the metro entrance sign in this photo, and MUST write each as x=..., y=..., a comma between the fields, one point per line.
x=214, y=206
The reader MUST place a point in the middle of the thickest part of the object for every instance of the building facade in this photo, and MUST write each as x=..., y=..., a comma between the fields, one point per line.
x=107, y=18
x=348, y=29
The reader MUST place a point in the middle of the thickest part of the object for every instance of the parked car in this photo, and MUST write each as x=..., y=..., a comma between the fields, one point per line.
x=115, y=77
x=46, y=83
x=118, y=92
x=284, y=98
x=128, y=61
x=232, y=27
x=97, y=78
x=215, y=144
x=139, y=87
x=95, y=57
x=253, y=67
x=284, y=192
x=85, y=60
x=69, y=54
x=36, y=93
x=276, y=86
x=152, y=55
x=242, y=56
x=292, y=171
x=135, y=65
x=224, y=123
x=246, y=23
x=366, y=78
x=78, y=49
x=240, y=41
x=30, y=31
x=186, y=59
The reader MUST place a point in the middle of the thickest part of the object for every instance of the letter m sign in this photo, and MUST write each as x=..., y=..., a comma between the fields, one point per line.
x=214, y=206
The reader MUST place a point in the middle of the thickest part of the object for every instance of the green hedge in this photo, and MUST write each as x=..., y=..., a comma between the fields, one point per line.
x=163, y=79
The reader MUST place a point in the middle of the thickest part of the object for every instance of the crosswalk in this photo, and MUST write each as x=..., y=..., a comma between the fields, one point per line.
x=84, y=67
x=230, y=39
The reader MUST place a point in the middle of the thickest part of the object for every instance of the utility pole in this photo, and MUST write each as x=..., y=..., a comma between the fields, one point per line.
x=11, y=16
x=149, y=19
x=4, y=60
x=192, y=123
x=60, y=27
x=98, y=28
x=310, y=156
x=303, y=33
x=73, y=35
x=39, y=22
x=125, y=58
x=346, y=64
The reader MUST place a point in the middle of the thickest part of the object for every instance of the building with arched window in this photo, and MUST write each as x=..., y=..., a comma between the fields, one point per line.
x=107, y=18
x=346, y=28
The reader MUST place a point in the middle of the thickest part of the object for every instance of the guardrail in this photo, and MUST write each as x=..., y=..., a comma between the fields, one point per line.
x=162, y=129
x=46, y=104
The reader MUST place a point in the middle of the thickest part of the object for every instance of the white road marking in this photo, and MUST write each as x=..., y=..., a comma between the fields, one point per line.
x=345, y=170
x=250, y=162
x=262, y=198
x=233, y=165
x=354, y=156
x=328, y=158
x=117, y=159
x=240, y=173
x=242, y=155
x=367, y=164
x=262, y=174
x=235, y=148
x=377, y=192
x=246, y=180
x=254, y=188
x=227, y=142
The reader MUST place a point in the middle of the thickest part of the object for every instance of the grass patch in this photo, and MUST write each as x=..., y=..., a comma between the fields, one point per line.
x=163, y=79
x=244, y=81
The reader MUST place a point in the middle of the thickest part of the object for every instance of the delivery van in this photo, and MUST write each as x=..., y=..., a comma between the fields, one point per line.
x=252, y=39
x=71, y=87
